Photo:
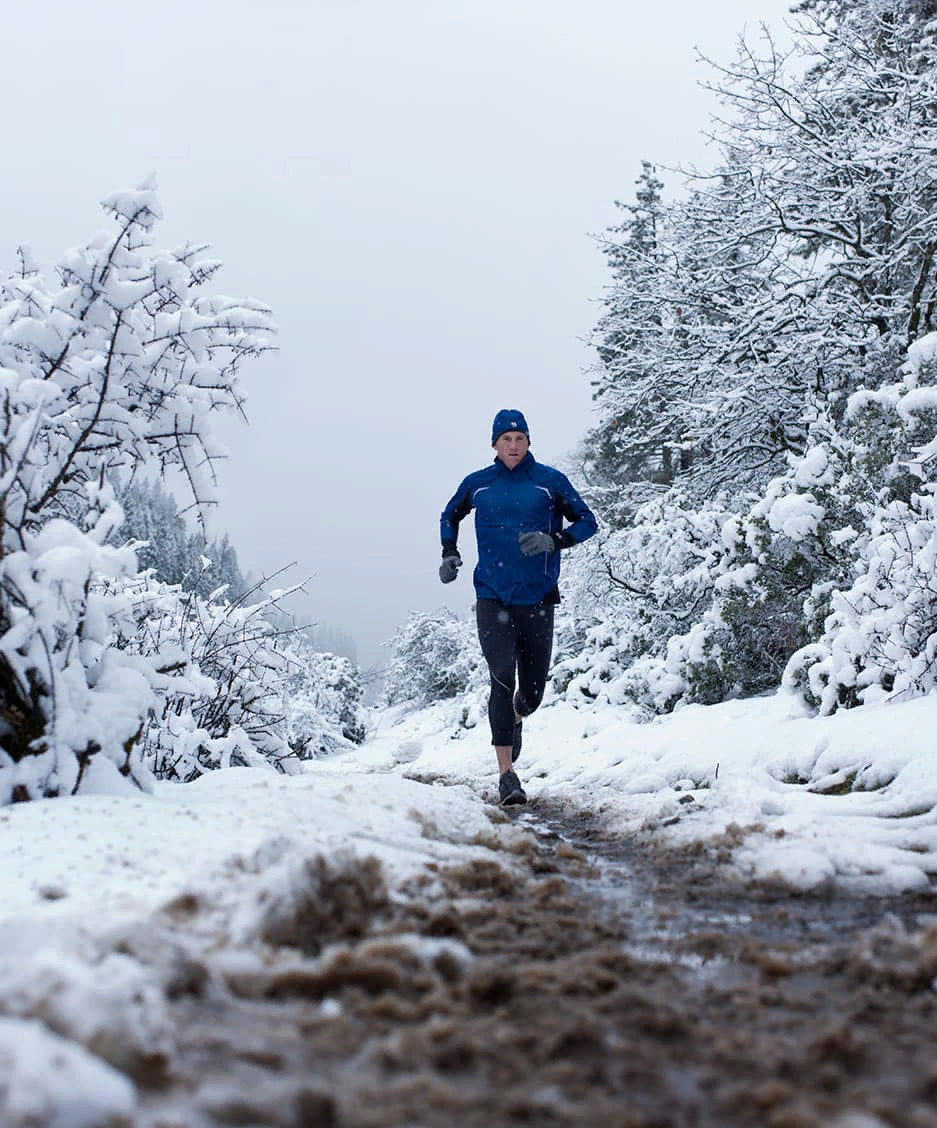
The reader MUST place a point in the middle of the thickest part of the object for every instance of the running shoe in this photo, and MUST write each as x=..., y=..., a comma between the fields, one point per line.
x=510, y=790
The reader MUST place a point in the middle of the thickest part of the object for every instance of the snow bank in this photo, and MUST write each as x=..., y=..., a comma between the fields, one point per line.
x=47, y=1080
x=113, y=905
x=847, y=801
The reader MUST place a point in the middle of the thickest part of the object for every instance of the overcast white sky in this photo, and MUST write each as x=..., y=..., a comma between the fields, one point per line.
x=411, y=185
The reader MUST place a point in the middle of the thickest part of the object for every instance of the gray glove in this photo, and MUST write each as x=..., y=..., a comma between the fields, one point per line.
x=449, y=568
x=532, y=543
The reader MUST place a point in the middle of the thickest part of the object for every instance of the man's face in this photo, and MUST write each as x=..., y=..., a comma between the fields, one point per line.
x=511, y=447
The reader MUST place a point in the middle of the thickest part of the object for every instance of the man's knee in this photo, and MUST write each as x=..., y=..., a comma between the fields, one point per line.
x=502, y=681
x=529, y=698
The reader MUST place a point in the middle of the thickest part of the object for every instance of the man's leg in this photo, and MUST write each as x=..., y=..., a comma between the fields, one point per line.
x=534, y=628
x=496, y=634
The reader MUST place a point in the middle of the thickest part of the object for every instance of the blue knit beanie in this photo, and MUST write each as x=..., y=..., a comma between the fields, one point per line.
x=508, y=420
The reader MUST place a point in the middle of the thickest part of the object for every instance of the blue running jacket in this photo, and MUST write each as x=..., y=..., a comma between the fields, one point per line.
x=530, y=498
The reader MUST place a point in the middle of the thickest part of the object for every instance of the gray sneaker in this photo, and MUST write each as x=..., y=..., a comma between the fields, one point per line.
x=509, y=787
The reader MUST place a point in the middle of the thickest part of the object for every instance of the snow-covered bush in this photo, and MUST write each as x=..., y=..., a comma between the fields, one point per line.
x=627, y=593
x=322, y=701
x=118, y=362
x=829, y=581
x=879, y=638
x=781, y=557
x=66, y=693
x=708, y=604
x=434, y=656
x=220, y=698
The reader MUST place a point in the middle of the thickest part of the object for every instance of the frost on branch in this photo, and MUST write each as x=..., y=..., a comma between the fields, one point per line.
x=117, y=362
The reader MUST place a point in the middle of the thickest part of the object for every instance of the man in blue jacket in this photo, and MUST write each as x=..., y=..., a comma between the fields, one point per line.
x=520, y=506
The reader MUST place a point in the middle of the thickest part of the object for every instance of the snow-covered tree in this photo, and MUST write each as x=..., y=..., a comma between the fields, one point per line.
x=795, y=272
x=876, y=633
x=322, y=699
x=434, y=656
x=176, y=553
x=626, y=447
x=329, y=639
x=665, y=350
x=117, y=362
x=789, y=281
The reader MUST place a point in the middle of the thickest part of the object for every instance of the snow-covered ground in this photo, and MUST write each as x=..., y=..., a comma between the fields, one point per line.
x=845, y=802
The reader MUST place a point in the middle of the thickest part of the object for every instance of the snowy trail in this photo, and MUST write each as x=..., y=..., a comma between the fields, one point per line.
x=845, y=803
x=537, y=983
x=224, y=952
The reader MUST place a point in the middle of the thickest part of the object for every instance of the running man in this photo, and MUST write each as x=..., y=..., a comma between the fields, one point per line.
x=520, y=506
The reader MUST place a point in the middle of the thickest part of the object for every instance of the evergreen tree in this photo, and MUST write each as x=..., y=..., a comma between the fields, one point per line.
x=789, y=282
x=797, y=271
x=625, y=446
x=327, y=639
x=176, y=553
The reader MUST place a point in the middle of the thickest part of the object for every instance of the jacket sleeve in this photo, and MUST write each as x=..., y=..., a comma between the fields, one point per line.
x=582, y=520
x=459, y=507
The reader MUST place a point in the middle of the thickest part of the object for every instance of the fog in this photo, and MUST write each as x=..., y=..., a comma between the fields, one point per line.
x=414, y=188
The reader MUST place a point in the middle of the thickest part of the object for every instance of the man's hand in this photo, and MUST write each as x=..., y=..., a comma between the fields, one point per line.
x=532, y=543
x=449, y=568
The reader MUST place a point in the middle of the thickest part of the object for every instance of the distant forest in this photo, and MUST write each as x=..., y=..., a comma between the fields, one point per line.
x=179, y=554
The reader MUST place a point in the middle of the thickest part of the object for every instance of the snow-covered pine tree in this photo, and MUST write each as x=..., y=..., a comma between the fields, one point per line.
x=224, y=570
x=328, y=639
x=176, y=553
x=807, y=264
x=622, y=456
x=666, y=356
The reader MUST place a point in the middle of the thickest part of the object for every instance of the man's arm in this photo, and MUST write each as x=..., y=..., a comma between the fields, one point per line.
x=457, y=509
x=582, y=520
x=459, y=506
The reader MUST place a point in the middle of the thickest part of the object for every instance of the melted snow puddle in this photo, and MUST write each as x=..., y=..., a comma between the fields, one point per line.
x=672, y=920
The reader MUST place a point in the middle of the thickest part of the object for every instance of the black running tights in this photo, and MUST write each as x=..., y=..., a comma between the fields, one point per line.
x=514, y=639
